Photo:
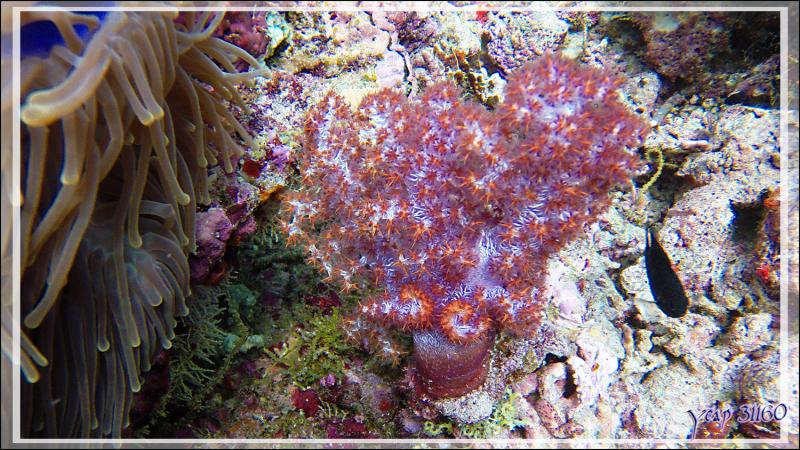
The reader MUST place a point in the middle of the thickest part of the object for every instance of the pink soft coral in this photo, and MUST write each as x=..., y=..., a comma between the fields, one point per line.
x=454, y=209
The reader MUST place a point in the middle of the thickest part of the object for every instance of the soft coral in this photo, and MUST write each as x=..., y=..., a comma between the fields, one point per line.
x=453, y=209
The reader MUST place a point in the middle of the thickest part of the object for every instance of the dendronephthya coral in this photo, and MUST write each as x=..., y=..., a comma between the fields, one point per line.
x=118, y=127
x=454, y=210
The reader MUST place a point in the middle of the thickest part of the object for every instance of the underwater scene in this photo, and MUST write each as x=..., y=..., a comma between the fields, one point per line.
x=382, y=224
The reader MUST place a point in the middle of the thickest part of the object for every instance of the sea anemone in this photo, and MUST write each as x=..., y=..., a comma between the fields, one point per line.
x=119, y=125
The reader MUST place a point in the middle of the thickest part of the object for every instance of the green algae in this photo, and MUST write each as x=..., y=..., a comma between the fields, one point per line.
x=314, y=351
x=504, y=419
x=198, y=362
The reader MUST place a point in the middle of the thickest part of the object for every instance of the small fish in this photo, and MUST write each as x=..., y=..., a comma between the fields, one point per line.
x=665, y=286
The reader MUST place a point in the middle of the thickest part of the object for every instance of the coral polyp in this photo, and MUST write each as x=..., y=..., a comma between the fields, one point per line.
x=462, y=323
x=413, y=308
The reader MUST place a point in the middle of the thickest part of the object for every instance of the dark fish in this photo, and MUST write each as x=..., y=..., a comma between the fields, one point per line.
x=665, y=286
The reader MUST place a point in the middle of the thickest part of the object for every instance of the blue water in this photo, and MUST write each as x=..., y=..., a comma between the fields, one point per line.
x=37, y=38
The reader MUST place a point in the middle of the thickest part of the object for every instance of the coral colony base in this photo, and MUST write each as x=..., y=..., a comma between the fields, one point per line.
x=466, y=223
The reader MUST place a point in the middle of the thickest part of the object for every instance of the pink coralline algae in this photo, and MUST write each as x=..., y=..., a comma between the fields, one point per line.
x=513, y=39
x=453, y=209
x=246, y=30
x=215, y=229
x=225, y=224
x=682, y=44
x=306, y=401
x=349, y=428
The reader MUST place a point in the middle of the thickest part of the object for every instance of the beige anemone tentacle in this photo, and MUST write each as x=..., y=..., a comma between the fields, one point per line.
x=116, y=135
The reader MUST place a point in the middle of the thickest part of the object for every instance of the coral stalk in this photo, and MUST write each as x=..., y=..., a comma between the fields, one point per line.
x=448, y=369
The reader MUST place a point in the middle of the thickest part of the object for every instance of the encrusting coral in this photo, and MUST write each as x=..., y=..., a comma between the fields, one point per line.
x=453, y=209
x=118, y=130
